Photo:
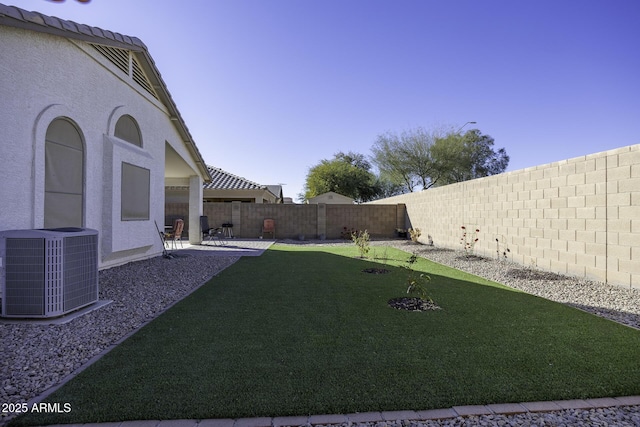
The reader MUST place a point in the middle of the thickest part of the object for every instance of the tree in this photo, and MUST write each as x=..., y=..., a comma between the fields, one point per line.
x=418, y=158
x=347, y=174
x=463, y=157
x=406, y=158
x=387, y=155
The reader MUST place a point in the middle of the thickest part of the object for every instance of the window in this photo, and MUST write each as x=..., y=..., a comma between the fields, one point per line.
x=135, y=192
x=127, y=129
x=64, y=175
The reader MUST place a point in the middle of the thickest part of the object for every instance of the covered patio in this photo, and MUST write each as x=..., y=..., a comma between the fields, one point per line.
x=179, y=173
x=228, y=247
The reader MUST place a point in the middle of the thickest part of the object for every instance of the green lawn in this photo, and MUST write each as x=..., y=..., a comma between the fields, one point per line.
x=302, y=330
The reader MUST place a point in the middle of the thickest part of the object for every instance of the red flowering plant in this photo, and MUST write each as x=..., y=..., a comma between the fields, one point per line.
x=469, y=240
x=502, y=254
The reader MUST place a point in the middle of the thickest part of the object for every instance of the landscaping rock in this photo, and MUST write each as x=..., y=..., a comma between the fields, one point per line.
x=35, y=357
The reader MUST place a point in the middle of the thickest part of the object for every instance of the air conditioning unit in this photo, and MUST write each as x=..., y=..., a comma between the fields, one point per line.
x=48, y=272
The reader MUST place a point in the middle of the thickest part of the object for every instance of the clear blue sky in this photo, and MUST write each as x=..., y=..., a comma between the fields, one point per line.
x=268, y=88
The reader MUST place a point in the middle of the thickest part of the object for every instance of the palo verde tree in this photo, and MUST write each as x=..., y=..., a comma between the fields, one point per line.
x=348, y=174
x=463, y=157
x=418, y=159
x=405, y=158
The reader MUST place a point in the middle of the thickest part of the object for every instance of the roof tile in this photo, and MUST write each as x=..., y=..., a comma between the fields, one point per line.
x=33, y=17
x=53, y=22
x=223, y=180
x=85, y=29
x=62, y=24
x=12, y=12
x=68, y=25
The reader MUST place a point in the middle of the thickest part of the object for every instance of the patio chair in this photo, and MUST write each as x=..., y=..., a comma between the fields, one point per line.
x=215, y=235
x=269, y=226
x=175, y=234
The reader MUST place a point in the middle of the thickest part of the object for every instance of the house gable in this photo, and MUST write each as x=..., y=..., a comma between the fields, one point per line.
x=126, y=123
x=130, y=51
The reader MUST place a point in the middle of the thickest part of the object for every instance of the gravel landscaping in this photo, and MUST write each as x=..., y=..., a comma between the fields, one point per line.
x=35, y=357
x=622, y=416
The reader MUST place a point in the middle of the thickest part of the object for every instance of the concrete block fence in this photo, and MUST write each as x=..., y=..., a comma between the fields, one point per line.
x=293, y=221
x=578, y=217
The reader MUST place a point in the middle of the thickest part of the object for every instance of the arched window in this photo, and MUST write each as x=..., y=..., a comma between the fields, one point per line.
x=64, y=175
x=127, y=129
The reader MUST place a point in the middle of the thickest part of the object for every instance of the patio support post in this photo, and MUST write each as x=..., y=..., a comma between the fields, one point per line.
x=236, y=215
x=195, y=209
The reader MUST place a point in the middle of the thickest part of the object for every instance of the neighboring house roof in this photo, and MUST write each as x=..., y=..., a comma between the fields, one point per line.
x=331, y=197
x=223, y=180
x=276, y=190
x=34, y=21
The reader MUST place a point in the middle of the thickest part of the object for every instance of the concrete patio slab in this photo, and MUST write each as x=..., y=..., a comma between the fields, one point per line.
x=231, y=247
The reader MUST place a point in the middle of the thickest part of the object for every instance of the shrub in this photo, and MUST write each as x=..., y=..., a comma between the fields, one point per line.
x=416, y=283
x=430, y=240
x=467, y=241
x=502, y=254
x=346, y=233
x=361, y=239
x=415, y=234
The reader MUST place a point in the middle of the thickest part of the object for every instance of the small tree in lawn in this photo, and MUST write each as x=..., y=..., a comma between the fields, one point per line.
x=361, y=239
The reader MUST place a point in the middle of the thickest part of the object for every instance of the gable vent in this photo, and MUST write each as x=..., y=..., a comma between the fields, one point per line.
x=141, y=78
x=119, y=57
x=122, y=58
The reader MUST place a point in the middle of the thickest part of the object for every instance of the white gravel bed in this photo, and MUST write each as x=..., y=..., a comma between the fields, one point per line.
x=35, y=357
x=621, y=416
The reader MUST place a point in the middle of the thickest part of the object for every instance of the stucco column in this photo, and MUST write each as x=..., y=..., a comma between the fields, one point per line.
x=236, y=215
x=195, y=209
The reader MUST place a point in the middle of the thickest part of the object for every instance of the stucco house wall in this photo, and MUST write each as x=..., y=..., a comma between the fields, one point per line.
x=44, y=77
